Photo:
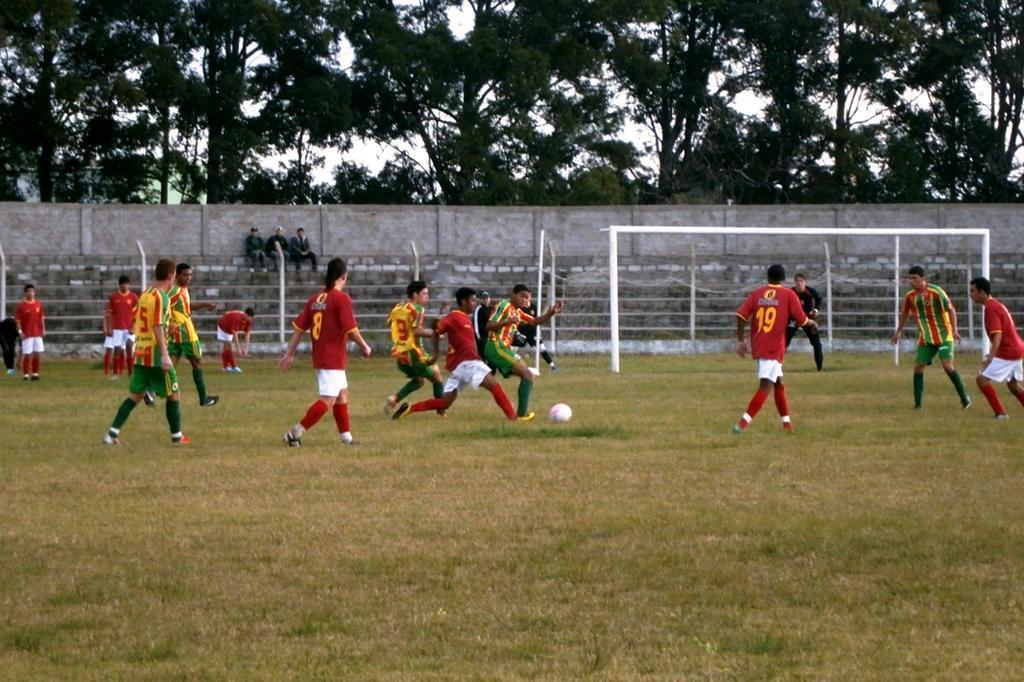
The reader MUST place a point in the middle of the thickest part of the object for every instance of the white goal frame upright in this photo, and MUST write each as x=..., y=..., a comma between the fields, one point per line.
x=613, y=257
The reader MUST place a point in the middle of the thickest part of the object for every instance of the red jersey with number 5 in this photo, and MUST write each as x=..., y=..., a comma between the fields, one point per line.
x=769, y=310
x=329, y=317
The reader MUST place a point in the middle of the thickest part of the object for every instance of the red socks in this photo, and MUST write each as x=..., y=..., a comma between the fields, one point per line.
x=314, y=413
x=439, y=403
x=781, y=401
x=427, y=405
x=756, y=403
x=106, y=362
x=340, y=417
x=227, y=358
x=993, y=399
x=26, y=364
x=35, y=364
x=503, y=402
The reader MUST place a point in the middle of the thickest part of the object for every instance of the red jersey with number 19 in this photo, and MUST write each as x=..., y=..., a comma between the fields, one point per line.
x=769, y=310
x=329, y=317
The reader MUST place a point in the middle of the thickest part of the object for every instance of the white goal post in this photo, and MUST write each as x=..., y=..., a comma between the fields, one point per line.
x=613, y=256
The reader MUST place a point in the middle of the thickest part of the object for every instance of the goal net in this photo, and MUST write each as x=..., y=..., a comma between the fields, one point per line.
x=674, y=290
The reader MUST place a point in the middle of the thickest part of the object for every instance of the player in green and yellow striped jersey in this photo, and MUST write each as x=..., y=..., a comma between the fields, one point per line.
x=406, y=323
x=153, y=368
x=182, y=336
x=937, y=332
x=502, y=329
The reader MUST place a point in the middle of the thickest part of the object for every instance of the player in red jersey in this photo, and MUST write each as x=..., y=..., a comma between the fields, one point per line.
x=331, y=321
x=31, y=321
x=121, y=308
x=462, y=362
x=768, y=309
x=231, y=324
x=1005, y=360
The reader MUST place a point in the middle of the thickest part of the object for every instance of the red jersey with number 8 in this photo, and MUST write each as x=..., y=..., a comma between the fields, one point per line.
x=329, y=318
x=769, y=310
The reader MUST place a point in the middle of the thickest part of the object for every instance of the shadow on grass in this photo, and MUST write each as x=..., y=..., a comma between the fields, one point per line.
x=525, y=432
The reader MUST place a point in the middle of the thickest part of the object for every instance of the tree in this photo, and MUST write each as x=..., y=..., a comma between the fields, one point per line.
x=786, y=65
x=495, y=115
x=229, y=35
x=163, y=48
x=961, y=48
x=43, y=91
x=664, y=54
x=307, y=99
x=1002, y=71
x=865, y=35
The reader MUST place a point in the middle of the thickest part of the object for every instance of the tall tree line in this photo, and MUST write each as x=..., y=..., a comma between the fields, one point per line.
x=513, y=101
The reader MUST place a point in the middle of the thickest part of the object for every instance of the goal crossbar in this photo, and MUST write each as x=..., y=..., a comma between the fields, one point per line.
x=615, y=230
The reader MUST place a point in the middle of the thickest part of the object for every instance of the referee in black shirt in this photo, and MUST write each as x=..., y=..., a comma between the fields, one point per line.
x=811, y=301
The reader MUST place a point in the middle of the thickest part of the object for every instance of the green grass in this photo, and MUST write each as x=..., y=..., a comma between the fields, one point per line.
x=642, y=539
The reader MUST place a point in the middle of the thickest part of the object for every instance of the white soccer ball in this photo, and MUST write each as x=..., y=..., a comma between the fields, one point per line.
x=560, y=413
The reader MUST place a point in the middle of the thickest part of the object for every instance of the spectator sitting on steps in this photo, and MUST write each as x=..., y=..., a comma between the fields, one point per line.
x=302, y=250
x=277, y=238
x=254, y=249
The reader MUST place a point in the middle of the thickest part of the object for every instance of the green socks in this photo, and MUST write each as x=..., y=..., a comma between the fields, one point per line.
x=197, y=376
x=174, y=417
x=958, y=384
x=525, y=386
x=407, y=389
x=954, y=377
x=122, y=416
x=438, y=389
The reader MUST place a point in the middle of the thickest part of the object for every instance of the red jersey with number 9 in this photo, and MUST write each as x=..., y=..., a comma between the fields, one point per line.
x=329, y=318
x=769, y=310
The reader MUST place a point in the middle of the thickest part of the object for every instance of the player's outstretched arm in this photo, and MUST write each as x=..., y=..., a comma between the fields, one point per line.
x=550, y=312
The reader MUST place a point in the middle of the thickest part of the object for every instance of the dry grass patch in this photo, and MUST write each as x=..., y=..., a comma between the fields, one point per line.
x=642, y=539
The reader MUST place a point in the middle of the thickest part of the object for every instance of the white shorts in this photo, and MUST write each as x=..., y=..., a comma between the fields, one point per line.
x=769, y=369
x=224, y=336
x=1000, y=370
x=31, y=344
x=131, y=337
x=108, y=342
x=121, y=337
x=331, y=382
x=467, y=373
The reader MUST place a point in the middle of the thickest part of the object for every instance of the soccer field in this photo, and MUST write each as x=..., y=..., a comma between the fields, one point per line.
x=642, y=539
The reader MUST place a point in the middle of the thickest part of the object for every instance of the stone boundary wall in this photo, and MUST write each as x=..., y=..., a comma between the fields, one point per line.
x=469, y=232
